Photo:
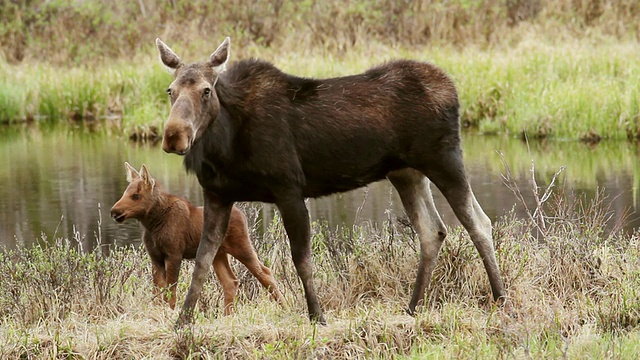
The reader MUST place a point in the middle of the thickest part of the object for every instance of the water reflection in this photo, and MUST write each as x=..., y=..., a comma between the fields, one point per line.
x=62, y=182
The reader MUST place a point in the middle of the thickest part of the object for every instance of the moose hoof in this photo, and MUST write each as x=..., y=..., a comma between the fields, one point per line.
x=183, y=320
x=318, y=319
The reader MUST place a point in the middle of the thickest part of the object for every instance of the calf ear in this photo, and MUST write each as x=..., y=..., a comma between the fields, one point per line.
x=218, y=59
x=132, y=173
x=146, y=177
x=169, y=58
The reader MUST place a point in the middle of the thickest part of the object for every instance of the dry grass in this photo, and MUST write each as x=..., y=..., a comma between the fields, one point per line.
x=574, y=292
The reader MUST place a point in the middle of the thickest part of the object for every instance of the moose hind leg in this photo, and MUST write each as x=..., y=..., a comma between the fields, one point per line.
x=227, y=279
x=248, y=257
x=295, y=217
x=451, y=179
x=414, y=191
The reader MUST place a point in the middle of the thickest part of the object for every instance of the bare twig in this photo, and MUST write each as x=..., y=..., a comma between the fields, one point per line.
x=537, y=216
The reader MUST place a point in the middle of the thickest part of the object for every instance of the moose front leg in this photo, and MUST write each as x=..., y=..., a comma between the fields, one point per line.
x=159, y=278
x=296, y=222
x=216, y=221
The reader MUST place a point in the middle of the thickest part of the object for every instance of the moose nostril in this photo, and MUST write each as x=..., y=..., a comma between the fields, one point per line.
x=118, y=216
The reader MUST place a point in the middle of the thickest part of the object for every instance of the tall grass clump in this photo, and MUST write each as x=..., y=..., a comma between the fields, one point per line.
x=537, y=90
x=53, y=282
x=111, y=93
x=12, y=99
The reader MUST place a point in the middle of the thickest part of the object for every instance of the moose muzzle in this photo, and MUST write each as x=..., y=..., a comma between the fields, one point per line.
x=178, y=130
x=176, y=138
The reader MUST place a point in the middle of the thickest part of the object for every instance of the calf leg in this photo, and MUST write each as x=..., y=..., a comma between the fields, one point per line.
x=238, y=245
x=296, y=222
x=172, y=267
x=159, y=277
x=246, y=254
x=414, y=191
x=227, y=279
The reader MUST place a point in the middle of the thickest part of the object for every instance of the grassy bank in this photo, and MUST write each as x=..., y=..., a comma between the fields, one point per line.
x=128, y=97
x=573, y=288
x=532, y=88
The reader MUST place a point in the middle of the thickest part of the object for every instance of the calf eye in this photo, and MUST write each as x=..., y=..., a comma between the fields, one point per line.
x=168, y=92
x=206, y=91
x=135, y=196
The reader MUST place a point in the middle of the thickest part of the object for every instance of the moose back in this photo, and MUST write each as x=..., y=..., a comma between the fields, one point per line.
x=251, y=132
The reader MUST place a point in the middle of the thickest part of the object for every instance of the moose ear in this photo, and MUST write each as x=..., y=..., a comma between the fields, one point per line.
x=218, y=60
x=132, y=173
x=169, y=58
x=146, y=177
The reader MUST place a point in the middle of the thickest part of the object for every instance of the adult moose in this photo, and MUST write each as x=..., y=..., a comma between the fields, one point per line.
x=253, y=133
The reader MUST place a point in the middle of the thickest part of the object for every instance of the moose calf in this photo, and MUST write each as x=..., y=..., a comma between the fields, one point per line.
x=172, y=230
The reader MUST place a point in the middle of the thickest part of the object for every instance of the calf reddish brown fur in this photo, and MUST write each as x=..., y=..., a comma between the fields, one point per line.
x=253, y=133
x=172, y=231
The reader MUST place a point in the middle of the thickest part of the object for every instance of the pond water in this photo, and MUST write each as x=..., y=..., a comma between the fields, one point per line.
x=61, y=182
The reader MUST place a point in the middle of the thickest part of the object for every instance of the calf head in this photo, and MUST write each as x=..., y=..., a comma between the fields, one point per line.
x=194, y=103
x=138, y=198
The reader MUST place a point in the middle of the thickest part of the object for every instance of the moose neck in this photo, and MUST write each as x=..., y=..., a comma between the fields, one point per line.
x=214, y=144
x=157, y=215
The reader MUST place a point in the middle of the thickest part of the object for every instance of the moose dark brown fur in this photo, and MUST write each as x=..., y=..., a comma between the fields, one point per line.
x=253, y=133
x=172, y=232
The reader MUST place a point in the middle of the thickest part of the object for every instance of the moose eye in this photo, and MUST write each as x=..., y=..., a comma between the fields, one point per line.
x=135, y=196
x=206, y=91
x=168, y=92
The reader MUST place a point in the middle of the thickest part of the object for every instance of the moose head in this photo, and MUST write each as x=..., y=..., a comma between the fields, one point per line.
x=138, y=197
x=194, y=103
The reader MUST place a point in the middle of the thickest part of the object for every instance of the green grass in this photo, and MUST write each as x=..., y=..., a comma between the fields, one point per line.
x=129, y=97
x=543, y=91
x=574, y=294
